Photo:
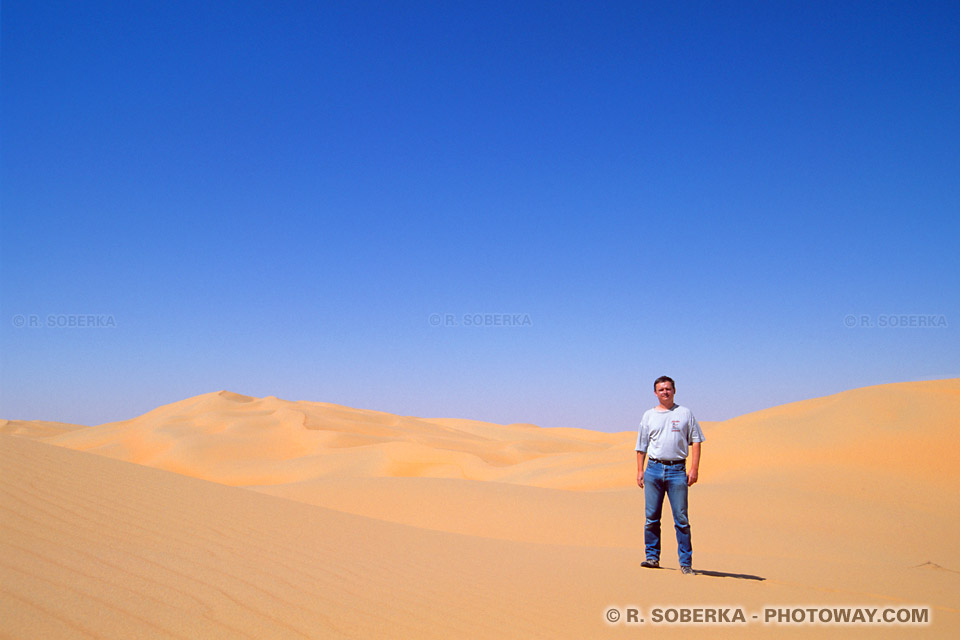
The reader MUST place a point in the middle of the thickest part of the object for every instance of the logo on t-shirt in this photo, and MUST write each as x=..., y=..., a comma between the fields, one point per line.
x=675, y=426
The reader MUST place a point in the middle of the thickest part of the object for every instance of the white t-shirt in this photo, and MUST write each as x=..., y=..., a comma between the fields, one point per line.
x=667, y=435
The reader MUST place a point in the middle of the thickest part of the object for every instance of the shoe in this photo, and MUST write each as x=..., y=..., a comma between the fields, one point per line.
x=650, y=564
x=687, y=571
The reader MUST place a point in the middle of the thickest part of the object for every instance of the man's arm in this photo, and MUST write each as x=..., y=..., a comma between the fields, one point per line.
x=694, y=470
x=641, y=455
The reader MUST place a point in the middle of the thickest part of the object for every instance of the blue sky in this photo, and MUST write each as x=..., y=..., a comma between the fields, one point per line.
x=276, y=198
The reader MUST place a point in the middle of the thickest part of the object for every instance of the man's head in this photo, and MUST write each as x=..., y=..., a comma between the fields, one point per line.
x=661, y=379
x=664, y=387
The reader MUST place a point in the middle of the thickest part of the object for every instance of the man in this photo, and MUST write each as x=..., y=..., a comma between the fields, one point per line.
x=670, y=434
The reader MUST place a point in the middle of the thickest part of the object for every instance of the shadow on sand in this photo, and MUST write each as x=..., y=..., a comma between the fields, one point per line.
x=723, y=574
x=716, y=574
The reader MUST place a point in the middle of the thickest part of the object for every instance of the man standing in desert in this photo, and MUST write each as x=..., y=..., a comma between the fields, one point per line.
x=670, y=434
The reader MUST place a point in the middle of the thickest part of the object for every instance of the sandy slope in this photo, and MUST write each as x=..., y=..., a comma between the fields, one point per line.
x=94, y=547
x=436, y=528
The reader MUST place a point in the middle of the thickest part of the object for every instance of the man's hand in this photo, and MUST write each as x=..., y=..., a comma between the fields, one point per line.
x=641, y=456
x=694, y=464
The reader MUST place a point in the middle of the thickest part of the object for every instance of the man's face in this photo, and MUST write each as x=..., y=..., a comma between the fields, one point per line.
x=665, y=391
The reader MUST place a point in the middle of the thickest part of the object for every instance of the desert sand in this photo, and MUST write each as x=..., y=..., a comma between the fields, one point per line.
x=228, y=516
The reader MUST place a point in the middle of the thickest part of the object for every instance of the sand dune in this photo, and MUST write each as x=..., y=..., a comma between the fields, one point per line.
x=37, y=428
x=239, y=440
x=380, y=525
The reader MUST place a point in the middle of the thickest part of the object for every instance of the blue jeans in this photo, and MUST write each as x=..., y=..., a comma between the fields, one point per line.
x=670, y=480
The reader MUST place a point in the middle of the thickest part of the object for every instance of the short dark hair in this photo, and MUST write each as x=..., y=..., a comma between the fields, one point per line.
x=664, y=379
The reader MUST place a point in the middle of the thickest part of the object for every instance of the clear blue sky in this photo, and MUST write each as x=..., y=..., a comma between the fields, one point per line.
x=275, y=198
